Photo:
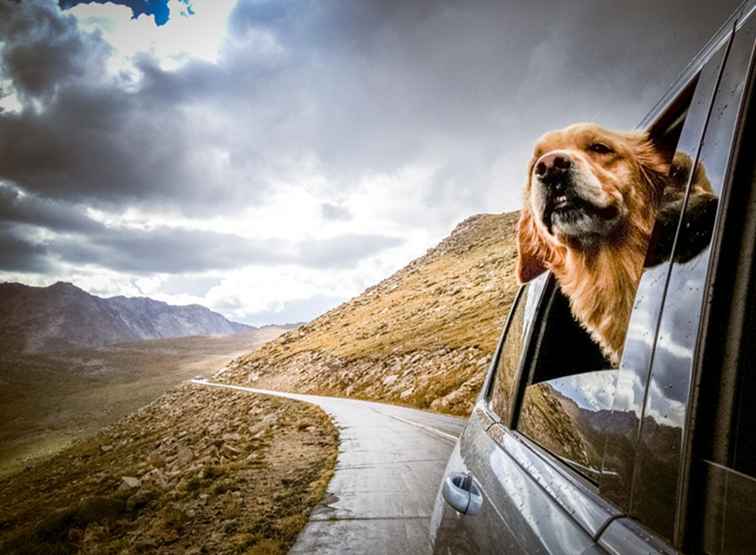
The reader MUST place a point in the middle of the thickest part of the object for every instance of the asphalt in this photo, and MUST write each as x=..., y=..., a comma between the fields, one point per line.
x=390, y=464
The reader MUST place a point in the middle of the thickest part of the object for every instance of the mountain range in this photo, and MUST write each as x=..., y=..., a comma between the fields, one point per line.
x=64, y=317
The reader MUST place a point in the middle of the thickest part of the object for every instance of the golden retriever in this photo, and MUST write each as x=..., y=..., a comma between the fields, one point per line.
x=591, y=201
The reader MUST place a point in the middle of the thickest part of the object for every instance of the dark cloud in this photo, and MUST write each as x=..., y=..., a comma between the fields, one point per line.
x=43, y=50
x=171, y=250
x=21, y=208
x=368, y=87
x=20, y=254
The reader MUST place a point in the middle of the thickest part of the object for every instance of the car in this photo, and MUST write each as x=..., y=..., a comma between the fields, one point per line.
x=564, y=453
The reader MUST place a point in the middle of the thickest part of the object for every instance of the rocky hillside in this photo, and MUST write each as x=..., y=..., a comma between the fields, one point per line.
x=199, y=470
x=63, y=317
x=424, y=336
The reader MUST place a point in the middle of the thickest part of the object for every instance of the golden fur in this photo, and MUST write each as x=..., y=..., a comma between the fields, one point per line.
x=595, y=241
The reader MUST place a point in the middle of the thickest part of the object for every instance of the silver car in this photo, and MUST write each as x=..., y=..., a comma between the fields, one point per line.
x=565, y=454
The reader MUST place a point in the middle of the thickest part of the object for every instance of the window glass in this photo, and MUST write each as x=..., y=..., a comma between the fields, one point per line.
x=510, y=354
x=663, y=441
x=567, y=416
x=570, y=391
x=653, y=496
x=723, y=453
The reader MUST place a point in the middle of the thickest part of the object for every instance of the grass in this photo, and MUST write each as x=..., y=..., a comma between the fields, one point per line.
x=256, y=502
x=446, y=306
x=49, y=400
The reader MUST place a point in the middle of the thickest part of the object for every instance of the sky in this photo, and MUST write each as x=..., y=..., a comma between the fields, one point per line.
x=272, y=159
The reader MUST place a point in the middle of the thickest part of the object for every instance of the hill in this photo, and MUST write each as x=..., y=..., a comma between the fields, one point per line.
x=63, y=317
x=49, y=399
x=198, y=470
x=423, y=336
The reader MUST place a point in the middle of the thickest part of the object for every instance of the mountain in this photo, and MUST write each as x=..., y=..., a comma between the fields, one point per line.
x=423, y=336
x=63, y=317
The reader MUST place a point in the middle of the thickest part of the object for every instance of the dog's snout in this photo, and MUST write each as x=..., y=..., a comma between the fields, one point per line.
x=552, y=166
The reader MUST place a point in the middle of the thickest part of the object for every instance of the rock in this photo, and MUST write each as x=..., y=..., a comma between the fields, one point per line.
x=106, y=448
x=184, y=456
x=229, y=451
x=155, y=477
x=129, y=482
x=388, y=380
x=231, y=437
x=139, y=499
x=407, y=393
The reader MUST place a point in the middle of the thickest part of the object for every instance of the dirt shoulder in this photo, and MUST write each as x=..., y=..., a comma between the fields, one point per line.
x=199, y=470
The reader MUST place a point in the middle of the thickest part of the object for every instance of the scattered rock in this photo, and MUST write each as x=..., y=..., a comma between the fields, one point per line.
x=129, y=482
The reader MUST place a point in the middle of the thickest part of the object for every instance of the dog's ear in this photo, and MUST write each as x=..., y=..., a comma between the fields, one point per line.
x=654, y=158
x=530, y=257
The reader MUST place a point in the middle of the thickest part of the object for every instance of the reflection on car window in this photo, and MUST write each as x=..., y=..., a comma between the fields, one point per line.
x=510, y=354
x=570, y=391
x=567, y=416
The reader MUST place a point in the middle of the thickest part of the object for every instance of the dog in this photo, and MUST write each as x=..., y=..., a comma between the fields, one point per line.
x=591, y=203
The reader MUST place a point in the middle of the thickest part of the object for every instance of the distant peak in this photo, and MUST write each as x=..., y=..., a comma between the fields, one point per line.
x=64, y=285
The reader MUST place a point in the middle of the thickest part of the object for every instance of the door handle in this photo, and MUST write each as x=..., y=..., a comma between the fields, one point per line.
x=460, y=492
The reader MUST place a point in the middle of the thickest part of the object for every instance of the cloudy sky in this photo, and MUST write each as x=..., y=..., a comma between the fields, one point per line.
x=270, y=159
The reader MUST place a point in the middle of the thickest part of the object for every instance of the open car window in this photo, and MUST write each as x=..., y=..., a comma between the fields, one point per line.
x=568, y=404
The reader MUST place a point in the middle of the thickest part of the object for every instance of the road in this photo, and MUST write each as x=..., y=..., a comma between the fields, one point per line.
x=390, y=464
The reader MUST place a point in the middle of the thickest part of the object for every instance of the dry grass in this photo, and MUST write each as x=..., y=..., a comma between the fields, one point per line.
x=454, y=299
x=218, y=472
x=48, y=400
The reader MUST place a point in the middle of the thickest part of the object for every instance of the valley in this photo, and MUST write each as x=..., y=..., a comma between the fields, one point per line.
x=47, y=400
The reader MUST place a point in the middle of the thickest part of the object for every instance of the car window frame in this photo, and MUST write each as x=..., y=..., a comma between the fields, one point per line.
x=707, y=340
x=538, y=287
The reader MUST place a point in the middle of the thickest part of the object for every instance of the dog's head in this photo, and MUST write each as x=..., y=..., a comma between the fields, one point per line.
x=585, y=186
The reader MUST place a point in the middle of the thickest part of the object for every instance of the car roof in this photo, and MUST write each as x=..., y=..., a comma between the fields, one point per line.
x=742, y=14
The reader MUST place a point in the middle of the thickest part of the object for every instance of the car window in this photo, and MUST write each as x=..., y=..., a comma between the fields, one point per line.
x=511, y=350
x=722, y=481
x=575, y=398
x=570, y=391
x=728, y=468
x=651, y=499
x=664, y=438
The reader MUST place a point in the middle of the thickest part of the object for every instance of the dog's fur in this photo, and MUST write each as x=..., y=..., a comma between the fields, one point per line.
x=593, y=233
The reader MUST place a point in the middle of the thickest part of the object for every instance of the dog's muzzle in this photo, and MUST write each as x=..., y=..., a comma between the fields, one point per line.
x=562, y=203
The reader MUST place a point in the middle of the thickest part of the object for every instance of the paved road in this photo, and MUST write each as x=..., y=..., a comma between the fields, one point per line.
x=390, y=464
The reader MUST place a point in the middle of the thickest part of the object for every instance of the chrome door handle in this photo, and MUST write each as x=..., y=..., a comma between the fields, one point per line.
x=461, y=493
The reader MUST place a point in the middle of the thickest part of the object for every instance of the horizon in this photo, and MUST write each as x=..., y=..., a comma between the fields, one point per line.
x=288, y=157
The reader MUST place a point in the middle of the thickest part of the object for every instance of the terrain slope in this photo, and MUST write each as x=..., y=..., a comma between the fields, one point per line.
x=422, y=337
x=49, y=399
x=198, y=470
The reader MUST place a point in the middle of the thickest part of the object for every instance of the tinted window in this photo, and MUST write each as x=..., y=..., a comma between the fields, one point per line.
x=508, y=363
x=660, y=476
x=723, y=453
x=511, y=351
x=570, y=391
x=651, y=498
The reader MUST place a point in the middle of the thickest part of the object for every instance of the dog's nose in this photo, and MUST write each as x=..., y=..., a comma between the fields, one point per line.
x=552, y=166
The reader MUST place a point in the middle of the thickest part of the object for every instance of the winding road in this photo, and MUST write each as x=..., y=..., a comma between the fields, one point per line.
x=390, y=464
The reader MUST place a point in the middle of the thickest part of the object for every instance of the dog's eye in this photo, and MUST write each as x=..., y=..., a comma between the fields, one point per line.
x=599, y=148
